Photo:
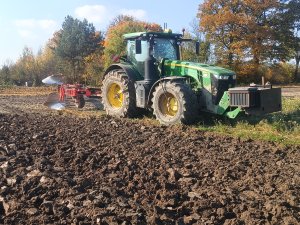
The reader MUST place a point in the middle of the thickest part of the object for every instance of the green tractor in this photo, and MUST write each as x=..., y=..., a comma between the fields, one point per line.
x=152, y=76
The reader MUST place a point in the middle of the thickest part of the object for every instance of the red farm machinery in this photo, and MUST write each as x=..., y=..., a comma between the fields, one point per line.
x=77, y=93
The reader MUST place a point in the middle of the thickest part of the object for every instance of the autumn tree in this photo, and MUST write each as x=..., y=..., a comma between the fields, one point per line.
x=289, y=33
x=250, y=34
x=120, y=18
x=48, y=62
x=93, y=67
x=188, y=48
x=26, y=69
x=114, y=43
x=219, y=23
x=77, y=39
x=239, y=29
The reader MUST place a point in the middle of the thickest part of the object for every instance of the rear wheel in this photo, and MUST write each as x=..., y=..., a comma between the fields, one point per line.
x=118, y=94
x=174, y=102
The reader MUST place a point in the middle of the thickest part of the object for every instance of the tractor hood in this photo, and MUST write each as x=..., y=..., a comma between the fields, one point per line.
x=185, y=68
x=212, y=81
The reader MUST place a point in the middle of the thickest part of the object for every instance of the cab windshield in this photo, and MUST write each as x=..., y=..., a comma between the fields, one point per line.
x=165, y=48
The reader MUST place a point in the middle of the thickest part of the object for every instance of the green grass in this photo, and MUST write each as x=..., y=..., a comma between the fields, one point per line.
x=282, y=127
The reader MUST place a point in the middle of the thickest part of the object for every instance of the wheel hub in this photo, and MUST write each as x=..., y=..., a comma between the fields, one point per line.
x=168, y=104
x=115, y=95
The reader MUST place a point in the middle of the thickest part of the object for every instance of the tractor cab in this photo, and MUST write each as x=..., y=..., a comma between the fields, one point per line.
x=161, y=45
x=153, y=46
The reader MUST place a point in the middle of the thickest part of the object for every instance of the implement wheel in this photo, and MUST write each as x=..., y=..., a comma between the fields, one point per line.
x=118, y=94
x=174, y=102
x=79, y=101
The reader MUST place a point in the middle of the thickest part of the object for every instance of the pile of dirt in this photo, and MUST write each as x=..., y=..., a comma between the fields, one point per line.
x=63, y=170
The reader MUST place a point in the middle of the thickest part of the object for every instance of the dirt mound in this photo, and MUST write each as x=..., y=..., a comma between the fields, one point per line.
x=63, y=170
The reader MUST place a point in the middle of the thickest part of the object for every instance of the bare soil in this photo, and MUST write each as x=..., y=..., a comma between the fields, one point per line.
x=58, y=168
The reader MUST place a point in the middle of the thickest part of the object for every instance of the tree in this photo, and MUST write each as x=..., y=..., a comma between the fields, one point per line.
x=5, y=73
x=93, y=67
x=120, y=18
x=251, y=35
x=188, y=48
x=292, y=15
x=286, y=23
x=76, y=40
x=26, y=69
x=48, y=62
x=239, y=29
x=114, y=43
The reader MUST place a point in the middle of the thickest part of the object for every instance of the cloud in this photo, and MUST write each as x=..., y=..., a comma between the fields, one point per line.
x=97, y=14
x=35, y=24
x=47, y=24
x=137, y=13
x=30, y=28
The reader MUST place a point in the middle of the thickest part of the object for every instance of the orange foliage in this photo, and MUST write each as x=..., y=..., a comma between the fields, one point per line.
x=240, y=29
x=277, y=73
x=114, y=43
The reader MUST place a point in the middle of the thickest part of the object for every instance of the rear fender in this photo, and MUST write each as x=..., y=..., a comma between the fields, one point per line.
x=171, y=78
x=129, y=70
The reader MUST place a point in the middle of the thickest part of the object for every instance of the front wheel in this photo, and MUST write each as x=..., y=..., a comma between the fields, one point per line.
x=174, y=102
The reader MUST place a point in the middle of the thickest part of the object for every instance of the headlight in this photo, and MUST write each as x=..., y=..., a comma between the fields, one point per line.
x=234, y=77
x=221, y=77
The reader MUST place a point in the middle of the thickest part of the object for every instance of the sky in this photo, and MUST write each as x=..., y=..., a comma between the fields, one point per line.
x=31, y=23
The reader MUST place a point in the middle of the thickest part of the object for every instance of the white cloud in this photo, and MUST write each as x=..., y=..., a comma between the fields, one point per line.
x=30, y=28
x=34, y=24
x=47, y=24
x=137, y=13
x=97, y=14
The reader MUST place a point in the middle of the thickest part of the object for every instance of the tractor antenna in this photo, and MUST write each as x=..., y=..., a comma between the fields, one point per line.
x=183, y=30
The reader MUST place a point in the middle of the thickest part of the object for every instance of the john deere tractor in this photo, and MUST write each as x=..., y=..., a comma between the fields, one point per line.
x=152, y=76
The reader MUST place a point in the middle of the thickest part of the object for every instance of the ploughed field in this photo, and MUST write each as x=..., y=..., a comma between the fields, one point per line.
x=59, y=168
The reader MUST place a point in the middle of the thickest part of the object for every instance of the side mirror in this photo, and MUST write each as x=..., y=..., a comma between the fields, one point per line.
x=197, y=47
x=138, y=46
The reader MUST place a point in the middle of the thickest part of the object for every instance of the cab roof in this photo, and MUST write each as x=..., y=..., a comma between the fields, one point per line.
x=148, y=34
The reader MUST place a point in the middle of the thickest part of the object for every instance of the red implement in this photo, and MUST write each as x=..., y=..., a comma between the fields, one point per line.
x=77, y=92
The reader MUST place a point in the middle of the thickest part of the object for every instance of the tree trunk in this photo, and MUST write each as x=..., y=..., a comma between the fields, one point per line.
x=230, y=59
x=256, y=59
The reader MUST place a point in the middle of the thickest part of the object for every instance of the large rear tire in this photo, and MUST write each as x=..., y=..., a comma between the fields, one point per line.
x=118, y=94
x=174, y=102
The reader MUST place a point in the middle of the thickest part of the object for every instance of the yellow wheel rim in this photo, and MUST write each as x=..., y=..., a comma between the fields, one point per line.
x=168, y=104
x=115, y=95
